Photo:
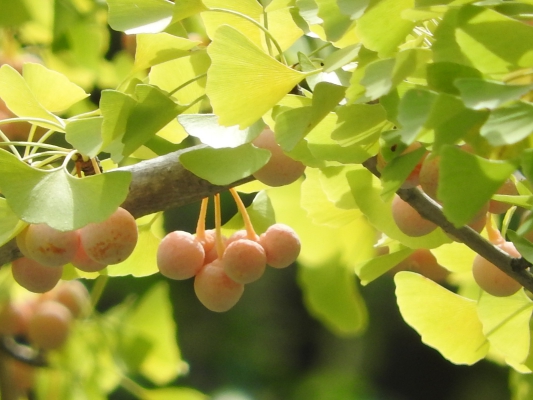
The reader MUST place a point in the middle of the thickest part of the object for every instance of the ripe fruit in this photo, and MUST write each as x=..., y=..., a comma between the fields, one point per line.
x=73, y=295
x=280, y=169
x=409, y=220
x=14, y=318
x=215, y=289
x=244, y=261
x=85, y=263
x=492, y=279
x=180, y=255
x=48, y=246
x=35, y=277
x=282, y=245
x=49, y=325
x=20, y=375
x=425, y=263
x=110, y=241
x=508, y=188
x=429, y=175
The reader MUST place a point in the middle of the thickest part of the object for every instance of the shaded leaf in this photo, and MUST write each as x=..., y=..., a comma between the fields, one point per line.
x=57, y=198
x=509, y=125
x=481, y=93
x=10, y=224
x=85, y=135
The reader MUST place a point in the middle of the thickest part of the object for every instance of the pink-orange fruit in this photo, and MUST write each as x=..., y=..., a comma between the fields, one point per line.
x=425, y=263
x=180, y=255
x=111, y=241
x=50, y=247
x=508, y=188
x=280, y=169
x=282, y=245
x=493, y=280
x=409, y=220
x=85, y=263
x=244, y=261
x=20, y=375
x=35, y=277
x=208, y=240
x=14, y=318
x=429, y=175
x=215, y=289
x=49, y=326
x=73, y=295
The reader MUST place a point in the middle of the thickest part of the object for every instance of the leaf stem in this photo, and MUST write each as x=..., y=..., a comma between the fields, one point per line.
x=250, y=232
x=6, y=141
x=253, y=21
x=98, y=289
x=187, y=83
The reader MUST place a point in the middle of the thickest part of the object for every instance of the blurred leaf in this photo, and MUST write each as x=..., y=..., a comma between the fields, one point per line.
x=509, y=125
x=366, y=190
x=58, y=198
x=163, y=363
x=14, y=13
x=455, y=257
x=153, y=49
x=142, y=262
x=441, y=76
x=260, y=212
x=446, y=321
x=85, y=135
x=359, y=124
x=467, y=182
x=335, y=186
x=187, y=8
x=45, y=84
x=174, y=393
x=492, y=42
x=335, y=23
x=20, y=99
x=384, y=13
x=206, y=128
x=383, y=75
x=318, y=207
x=398, y=170
x=353, y=8
x=227, y=165
x=524, y=246
x=339, y=58
x=373, y=268
x=10, y=224
x=506, y=324
x=243, y=83
x=140, y=16
x=480, y=93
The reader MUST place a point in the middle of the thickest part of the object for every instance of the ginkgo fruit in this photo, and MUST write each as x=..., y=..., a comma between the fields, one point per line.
x=180, y=255
x=49, y=326
x=244, y=261
x=111, y=241
x=492, y=279
x=73, y=295
x=498, y=207
x=85, y=263
x=408, y=220
x=429, y=175
x=215, y=289
x=14, y=318
x=282, y=245
x=425, y=263
x=280, y=169
x=49, y=246
x=34, y=276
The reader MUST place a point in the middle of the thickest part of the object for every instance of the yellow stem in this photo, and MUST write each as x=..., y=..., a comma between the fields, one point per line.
x=495, y=237
x=200, y=226
x=218, y=223
x=250, y=232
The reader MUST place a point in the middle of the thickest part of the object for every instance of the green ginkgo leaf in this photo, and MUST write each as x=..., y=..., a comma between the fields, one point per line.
x=243, y=82
x=57, y=198
x=20, y=99
x=153, y=49
x=140, y=16
x=373, y=268
x=10, y=224
x=506, y=324
x=85, y=135
x=45, y=84
x=446, y=321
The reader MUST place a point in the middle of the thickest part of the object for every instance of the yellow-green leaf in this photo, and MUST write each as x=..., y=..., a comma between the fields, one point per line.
x=243, y=82
x=446, y=321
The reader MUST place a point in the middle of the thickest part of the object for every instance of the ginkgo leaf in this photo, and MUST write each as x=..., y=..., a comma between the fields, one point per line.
x=45, y=84
x=153, y=49
x=243, y=82
x=57, y=198
x=10, y=224
x=20, y=99
x=506, y=324
x=140, y=16
x=446, y=321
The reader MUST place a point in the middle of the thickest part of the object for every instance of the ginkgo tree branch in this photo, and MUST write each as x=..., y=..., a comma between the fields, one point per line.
x=517, y=268
x=157, y=184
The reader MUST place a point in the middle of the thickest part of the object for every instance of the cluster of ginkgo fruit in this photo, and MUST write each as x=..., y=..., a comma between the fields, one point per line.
x=425, y=176
x=222, y=266
x=44, y=323
x=91, y=248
